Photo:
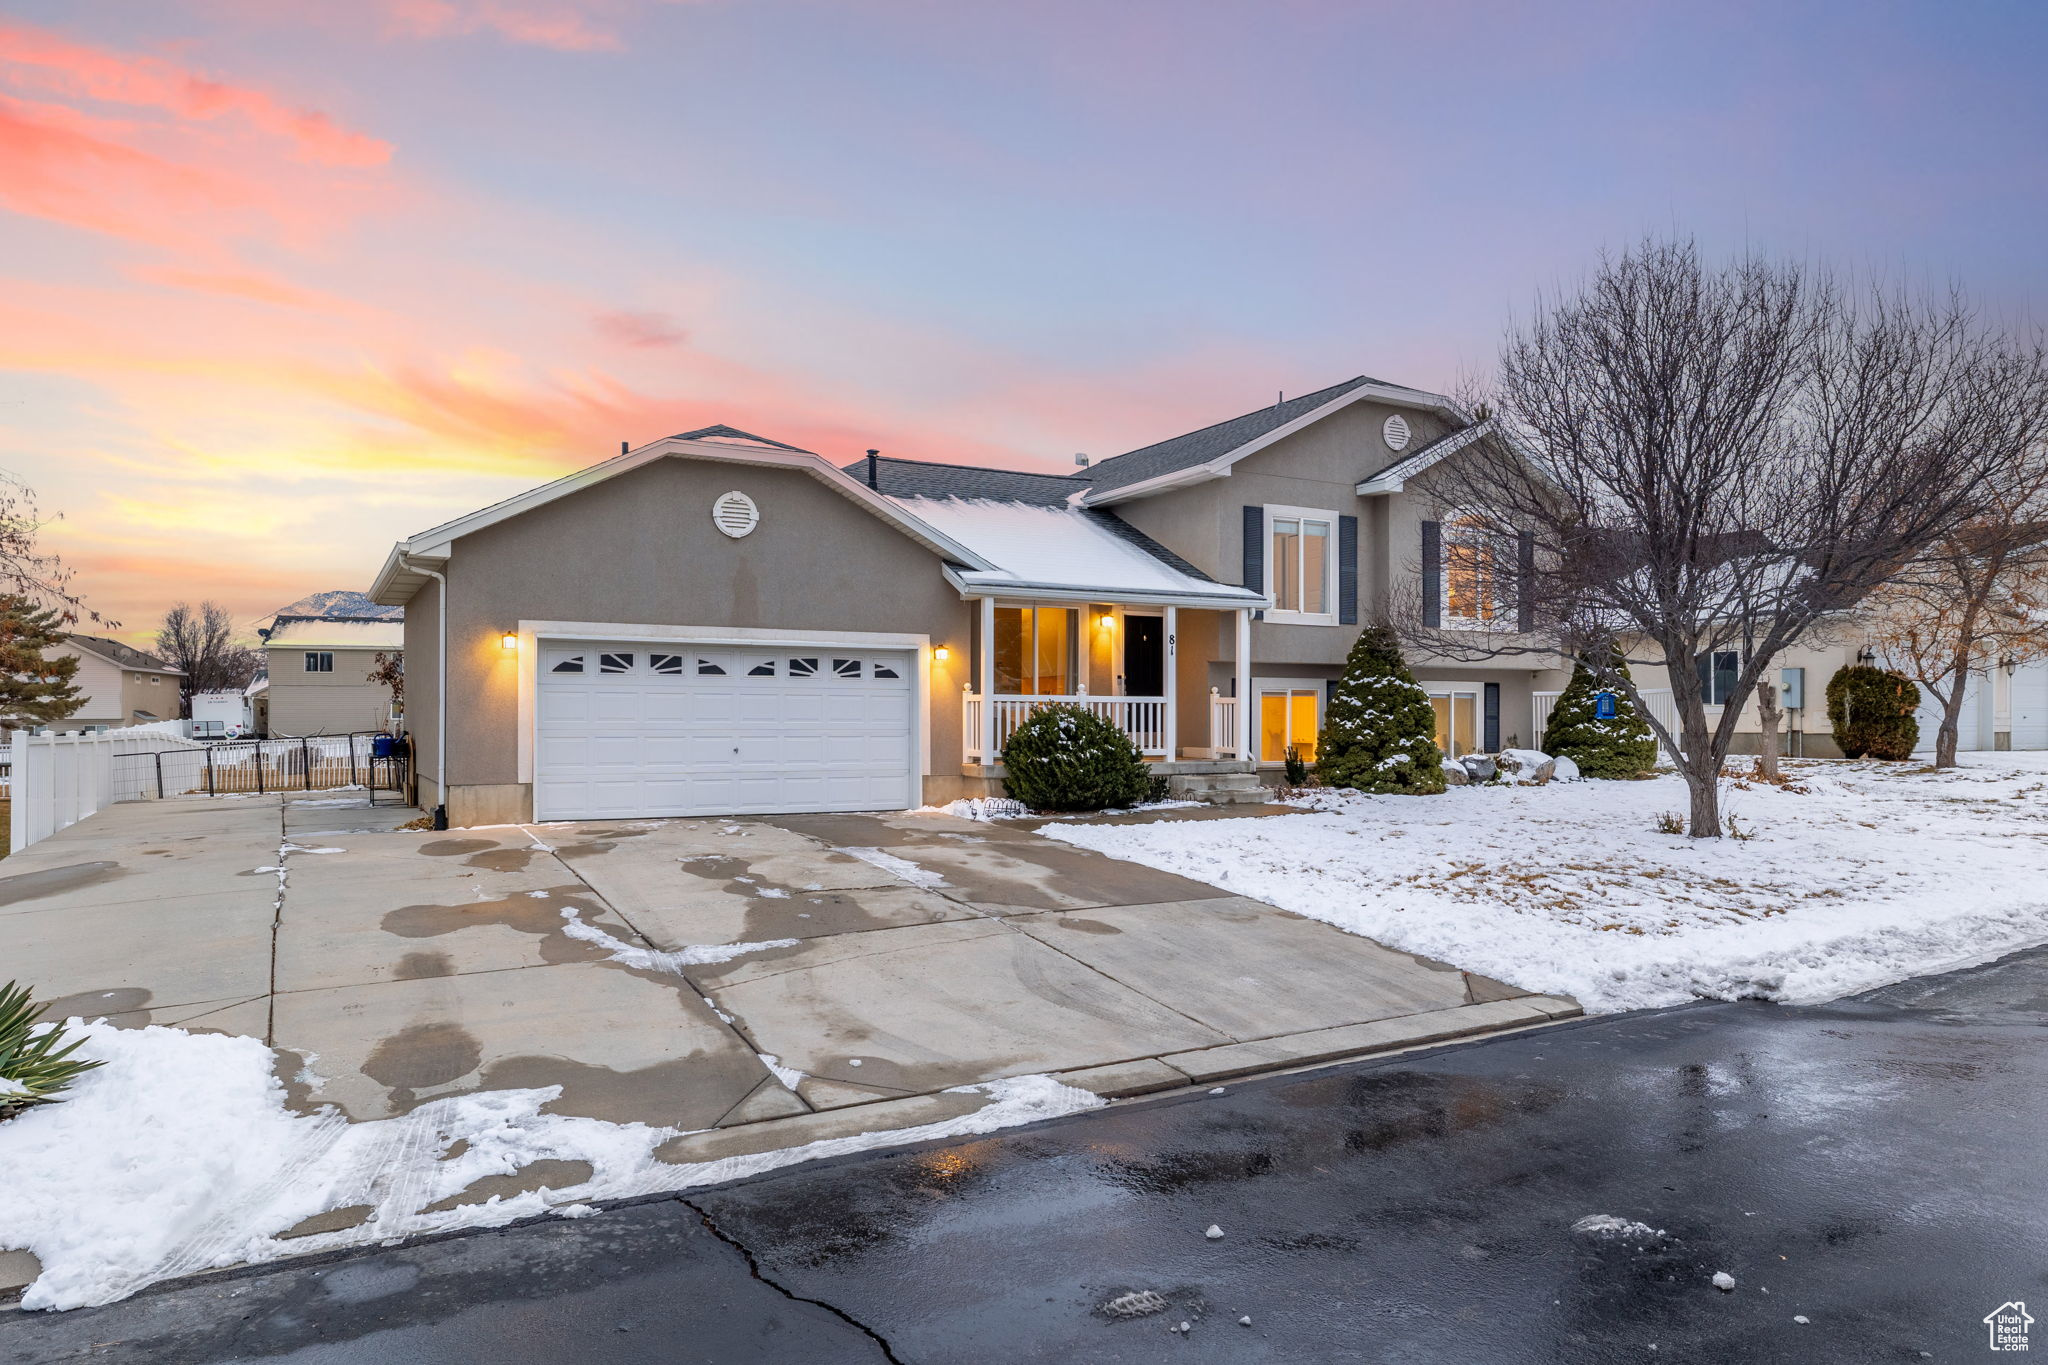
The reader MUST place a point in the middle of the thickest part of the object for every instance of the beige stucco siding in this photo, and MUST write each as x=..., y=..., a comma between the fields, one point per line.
x=338, y=703
x=640, y=549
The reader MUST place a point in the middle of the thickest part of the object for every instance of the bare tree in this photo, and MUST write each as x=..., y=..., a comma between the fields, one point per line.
x=1977, y=598
x=27, y=570
x=203, y=644
x=1690, y=459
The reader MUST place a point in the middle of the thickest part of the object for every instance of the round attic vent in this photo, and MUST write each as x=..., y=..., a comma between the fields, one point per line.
x=1396, y=431
x=735, y=514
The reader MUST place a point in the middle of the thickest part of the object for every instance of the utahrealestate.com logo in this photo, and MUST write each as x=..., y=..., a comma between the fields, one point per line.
x=2008, y=1324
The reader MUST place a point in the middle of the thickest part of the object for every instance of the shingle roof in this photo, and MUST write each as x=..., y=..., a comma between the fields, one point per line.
x=1200, y=447
x=128, y=656
x=722, y=432
x=920, y=479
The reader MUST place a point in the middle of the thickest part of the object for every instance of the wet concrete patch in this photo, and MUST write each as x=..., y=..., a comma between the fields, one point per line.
x=55, y=881
x=455, y=848
x=334, y=1220
x=1038, y=874
x=423, y=1057
x=122, y=1000
x=688, y=1092
x=418, y=966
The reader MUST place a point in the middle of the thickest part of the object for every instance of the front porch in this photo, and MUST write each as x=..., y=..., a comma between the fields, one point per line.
x=1121, y=661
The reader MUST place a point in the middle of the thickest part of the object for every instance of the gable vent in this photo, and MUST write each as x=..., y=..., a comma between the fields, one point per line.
x=1396, y=431
x=735, y=514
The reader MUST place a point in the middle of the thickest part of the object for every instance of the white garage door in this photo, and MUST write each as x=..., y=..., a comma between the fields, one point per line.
x=2030, y=705
x=677, y=729
x=1973, y=725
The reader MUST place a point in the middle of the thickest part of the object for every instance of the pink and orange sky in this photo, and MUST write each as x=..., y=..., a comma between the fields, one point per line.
x=284, y=280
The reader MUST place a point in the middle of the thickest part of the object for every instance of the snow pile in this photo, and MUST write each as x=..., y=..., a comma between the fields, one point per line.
x=652, y=960
x=179, y=1156
x=901, y=867
x=1865, y=874
x=1608, y=1226
x=981, y=808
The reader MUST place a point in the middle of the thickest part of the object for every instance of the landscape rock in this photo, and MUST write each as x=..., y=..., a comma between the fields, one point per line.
x=1455, y=774
x=1528, y=767
x=1479, y=767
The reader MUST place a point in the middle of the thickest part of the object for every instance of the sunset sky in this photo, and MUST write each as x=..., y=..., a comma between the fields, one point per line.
x=284, y=280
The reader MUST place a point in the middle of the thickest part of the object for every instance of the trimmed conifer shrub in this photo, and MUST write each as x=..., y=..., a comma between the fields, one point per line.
x=1380, y=732
x=1871, y=712
x=1065, y=757
x=1623, y=747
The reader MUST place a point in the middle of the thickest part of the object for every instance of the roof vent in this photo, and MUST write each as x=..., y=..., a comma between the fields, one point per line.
x=735, y=514
x=1396, y=431
x=1080, y=460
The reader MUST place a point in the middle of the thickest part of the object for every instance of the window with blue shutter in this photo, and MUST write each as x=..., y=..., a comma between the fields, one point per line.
x=1347, y=571
x=1525, y=581
x=1432, y=573
x=1255, y=549
x=1491, y=718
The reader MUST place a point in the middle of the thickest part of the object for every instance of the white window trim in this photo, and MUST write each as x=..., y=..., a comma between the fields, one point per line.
x=1503, y=613
x=1078, y=623
x=1276, y=616
x=1448, y=690
x=1262, y=686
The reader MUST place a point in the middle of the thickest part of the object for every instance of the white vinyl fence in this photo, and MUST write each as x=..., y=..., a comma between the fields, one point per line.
x=57, y=780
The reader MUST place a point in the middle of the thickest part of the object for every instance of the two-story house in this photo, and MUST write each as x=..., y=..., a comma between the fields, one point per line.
x=719, y=623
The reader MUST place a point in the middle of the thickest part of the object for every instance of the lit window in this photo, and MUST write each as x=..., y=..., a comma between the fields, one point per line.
x=1288, y=720
x=1457, y=718
x=320, y=663
x=1298, y=570
x=1034, y=651
x=1471, y=564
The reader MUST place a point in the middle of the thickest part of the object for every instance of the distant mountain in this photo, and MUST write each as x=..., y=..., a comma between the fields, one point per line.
x=341, y=602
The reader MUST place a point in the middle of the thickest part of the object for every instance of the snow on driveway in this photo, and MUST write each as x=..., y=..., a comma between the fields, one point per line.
x=1870, y=874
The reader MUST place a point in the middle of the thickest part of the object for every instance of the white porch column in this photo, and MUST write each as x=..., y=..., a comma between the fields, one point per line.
x=985, y=670
x=1243, y=664
x=1172, y=687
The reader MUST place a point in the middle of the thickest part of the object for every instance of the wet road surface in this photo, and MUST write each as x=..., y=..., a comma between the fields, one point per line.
x=1875, y=1167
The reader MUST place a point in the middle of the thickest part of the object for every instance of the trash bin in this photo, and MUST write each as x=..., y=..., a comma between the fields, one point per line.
x=383, y=746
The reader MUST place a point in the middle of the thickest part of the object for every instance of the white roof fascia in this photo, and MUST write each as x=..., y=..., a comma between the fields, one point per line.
x=1392, y=480
x=435, y=544
x=1224, y=596
x=1220, y=466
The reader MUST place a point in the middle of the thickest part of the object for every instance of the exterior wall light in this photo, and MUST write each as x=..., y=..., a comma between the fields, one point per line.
x=510, y=639
x=942, y=654
x=1105, y=621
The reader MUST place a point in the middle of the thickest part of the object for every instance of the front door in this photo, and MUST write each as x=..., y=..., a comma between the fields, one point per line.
x=1144, y=656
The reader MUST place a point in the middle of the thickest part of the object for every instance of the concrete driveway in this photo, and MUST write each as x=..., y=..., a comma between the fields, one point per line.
x=754, y=983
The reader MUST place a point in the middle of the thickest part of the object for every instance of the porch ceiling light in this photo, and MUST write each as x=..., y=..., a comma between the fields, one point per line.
x=509, y=640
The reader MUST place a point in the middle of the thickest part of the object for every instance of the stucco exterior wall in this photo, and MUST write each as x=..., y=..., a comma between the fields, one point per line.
x=339, y=703
x=640, y=549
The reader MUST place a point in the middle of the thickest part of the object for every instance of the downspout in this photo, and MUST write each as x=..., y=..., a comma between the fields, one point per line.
x=440, y=693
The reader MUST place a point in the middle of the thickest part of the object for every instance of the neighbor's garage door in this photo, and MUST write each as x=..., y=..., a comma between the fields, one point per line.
x=2030, y=705
x=628, y=729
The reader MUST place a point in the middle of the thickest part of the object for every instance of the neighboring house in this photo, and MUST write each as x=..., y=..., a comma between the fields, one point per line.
x=719, y=623
x=122, y=685
x=319, y=673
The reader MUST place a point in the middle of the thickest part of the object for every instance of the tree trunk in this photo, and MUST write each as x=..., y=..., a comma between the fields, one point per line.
x=1950, y=729
x=1769, y=717
x=1702, y=772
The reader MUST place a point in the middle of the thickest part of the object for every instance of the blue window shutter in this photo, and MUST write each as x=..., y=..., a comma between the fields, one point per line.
x=1347, y=571
x=1432, y=573
x=1705, y=664
x=1525, y=581
x=1255, y=549
x=1491, y=729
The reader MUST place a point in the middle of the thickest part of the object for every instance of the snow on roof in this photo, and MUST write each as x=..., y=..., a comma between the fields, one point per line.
x=1056, y=547
x=303, y=632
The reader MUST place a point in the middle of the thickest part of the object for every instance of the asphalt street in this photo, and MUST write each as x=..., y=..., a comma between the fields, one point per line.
x=1870, y=1173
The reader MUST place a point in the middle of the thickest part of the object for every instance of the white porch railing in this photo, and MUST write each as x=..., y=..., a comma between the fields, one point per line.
x=55, y=781
x=1222, y=724
x=1142, y=718
x=1656, y=700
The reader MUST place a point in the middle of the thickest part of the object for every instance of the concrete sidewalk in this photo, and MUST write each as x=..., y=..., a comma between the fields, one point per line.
x=826, y=974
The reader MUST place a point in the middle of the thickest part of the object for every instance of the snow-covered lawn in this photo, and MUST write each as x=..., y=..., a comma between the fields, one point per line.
x=1872, y=873
x=179, y=1155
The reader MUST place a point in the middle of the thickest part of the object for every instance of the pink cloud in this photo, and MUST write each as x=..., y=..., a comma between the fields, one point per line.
x=643, y=330
x=33, y=59
x=564, y=25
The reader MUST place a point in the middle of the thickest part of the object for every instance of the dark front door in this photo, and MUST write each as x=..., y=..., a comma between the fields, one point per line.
x=1144, y=656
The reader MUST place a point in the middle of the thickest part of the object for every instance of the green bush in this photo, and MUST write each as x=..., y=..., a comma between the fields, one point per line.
x=1624, y=747
x=35, y=1063
x=1066, y=757
x=1871, y=712
x=1380, y=732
